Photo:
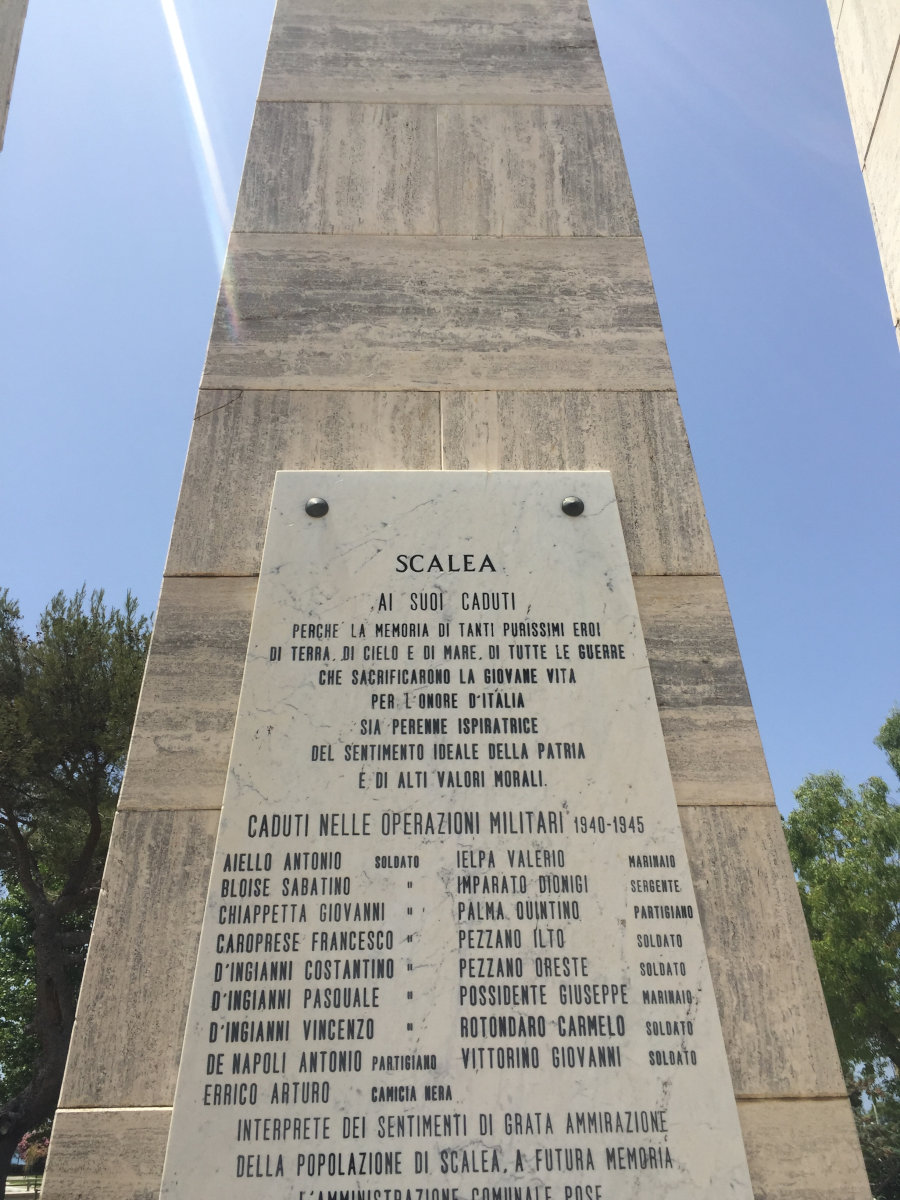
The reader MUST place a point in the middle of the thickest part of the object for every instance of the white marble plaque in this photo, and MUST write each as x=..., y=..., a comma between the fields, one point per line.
x=451, y=948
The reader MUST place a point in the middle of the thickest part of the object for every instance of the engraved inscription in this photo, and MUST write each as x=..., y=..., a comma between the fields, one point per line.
x=451, y=949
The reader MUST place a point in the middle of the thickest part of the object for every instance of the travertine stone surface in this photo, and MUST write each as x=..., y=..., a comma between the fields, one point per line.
x=867, y=36
x=881, y=173
x=185, y=720
x=107, y=1154
x=690, y=640
x=341, y=168
x=715, y=754
x=867, y=33
x=803, y=1150
x=131, y=1011
x=516, y=52
x=639, y=437
x=774, y=1019
x=513, y=170
x=220, y=523
x=241, y=439
x=12, y=19
x=530, y=170
x=437, y=312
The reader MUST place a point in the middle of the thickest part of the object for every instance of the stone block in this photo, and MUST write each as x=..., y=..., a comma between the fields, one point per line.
x=715, y=754
x=803, y=1150
x=133, y=1004
x=241, y=439
x=107, y=1154
x=637, y=436
x=691, y=644
x=866, y=38
x=512, y=170
x=881, y=172
x=422, y=313
x=533, y=171
x=185, y=720
x=519, y=51
x=340, y=168
x=774, y=1019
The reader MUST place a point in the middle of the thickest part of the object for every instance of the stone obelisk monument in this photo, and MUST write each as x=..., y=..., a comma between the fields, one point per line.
x=436, y=267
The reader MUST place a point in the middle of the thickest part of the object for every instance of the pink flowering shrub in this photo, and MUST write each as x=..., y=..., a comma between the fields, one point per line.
x=33, y=1150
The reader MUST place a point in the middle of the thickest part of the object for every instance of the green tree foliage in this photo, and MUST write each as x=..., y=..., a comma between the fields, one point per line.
x=67, y=701
x=18, y=1047
x=845, y=846
x=878, y=1126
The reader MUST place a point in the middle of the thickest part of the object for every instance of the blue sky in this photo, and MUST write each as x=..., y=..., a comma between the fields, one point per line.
x=737, y=138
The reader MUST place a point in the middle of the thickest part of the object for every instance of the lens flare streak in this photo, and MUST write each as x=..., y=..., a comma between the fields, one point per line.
x=218, y=212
